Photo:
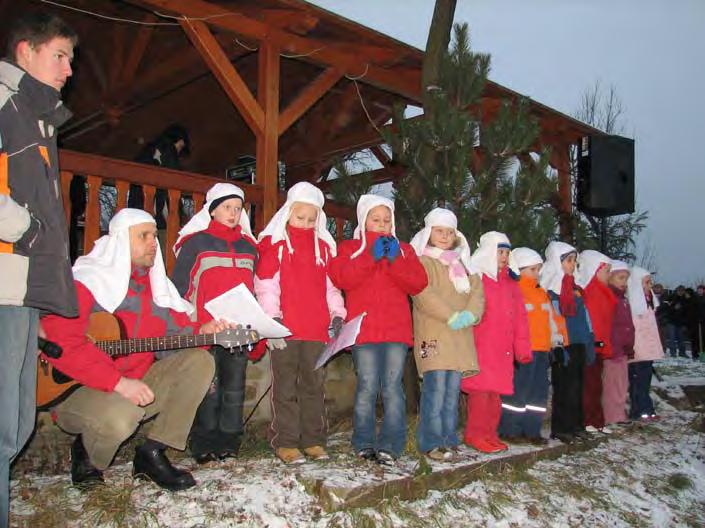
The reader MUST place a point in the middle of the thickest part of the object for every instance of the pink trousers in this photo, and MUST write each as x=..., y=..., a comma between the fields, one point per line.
x=615, y=387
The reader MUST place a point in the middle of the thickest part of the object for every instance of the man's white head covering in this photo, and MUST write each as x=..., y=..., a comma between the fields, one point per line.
x=523, y=257
x=589, y=262
x=619, y=265
x=551, y=276
x=106, y=270
x=302, y=192
x=635, y=291
x=440, y=217
x=365, y=204
x=201, y=220
x=484, y=260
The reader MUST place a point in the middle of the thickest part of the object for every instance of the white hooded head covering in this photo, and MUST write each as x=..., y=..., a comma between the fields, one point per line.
x=106, y=270
x=365, y=204
x=523, y=257
x=484, y=260
x=635, y=291
x=440, y=217
x=551, y=276
x=588, y=263
x=302, y=192
x=619, y=265
x=202, y=219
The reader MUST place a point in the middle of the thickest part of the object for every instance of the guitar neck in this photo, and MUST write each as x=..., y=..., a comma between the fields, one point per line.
x=122, y=347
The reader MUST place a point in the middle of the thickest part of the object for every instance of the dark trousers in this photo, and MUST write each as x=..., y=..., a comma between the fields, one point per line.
x=567, y=380
x=298, y=406
x=218, y=427
x=523, y=411
x=592, y=394
x=640, y=402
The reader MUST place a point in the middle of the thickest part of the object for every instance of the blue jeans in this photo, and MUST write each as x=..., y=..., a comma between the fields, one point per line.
x=438, y=418
x=18, y=386
x=380, y=366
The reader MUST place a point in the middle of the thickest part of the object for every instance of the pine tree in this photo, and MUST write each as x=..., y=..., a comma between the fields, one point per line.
x=478, y=167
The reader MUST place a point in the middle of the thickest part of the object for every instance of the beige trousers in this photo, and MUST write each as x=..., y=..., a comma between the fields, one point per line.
x=106, y=419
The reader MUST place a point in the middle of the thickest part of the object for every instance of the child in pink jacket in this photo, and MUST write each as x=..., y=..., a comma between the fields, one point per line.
x=501, y=337
x=292, y=284
x=647, y=344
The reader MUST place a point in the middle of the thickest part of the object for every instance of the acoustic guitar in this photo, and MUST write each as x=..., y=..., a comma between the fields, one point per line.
x=53, y=386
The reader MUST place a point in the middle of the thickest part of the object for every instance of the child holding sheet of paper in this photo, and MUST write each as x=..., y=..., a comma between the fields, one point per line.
x=215, y=252
x=292, y=284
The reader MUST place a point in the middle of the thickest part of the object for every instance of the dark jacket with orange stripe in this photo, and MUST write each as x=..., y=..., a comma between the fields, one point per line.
x=34, y=258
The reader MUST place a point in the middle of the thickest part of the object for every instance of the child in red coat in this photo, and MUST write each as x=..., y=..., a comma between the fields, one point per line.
x=292, y=285
x=378, y=274
x=501, y=337
x=593, y=274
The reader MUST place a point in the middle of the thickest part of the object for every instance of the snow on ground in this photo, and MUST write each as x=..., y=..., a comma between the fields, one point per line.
x=644, y=475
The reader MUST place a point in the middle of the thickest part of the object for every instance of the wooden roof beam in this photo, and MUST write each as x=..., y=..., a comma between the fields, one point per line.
x=402, y=81
x=225, y=73
x=308, y=97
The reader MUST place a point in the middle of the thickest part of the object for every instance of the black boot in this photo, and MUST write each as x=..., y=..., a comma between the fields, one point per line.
x=83, y=473
x=152, y=464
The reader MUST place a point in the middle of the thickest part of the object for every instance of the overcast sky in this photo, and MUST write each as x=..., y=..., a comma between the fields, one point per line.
x=652, y=51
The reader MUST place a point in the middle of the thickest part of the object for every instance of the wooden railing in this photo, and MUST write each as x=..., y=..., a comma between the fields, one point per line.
x=99, y=170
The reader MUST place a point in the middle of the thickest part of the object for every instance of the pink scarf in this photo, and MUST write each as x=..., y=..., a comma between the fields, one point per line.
x=457, y=273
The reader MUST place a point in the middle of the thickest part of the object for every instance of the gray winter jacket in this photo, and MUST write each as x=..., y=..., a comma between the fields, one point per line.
x=35, y=269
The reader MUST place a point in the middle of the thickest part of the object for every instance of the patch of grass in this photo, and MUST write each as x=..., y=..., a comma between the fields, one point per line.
x=115, y=506
x=52, y=506
x=679, y=482
x=497, y=501
x=591, y=494
x=394, y=507
x=255, y=444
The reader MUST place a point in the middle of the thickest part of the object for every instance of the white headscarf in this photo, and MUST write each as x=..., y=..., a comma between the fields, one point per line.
x=588, y=263
x=635, y=291
x=619, y=265
x=551, y=276
x=302, y=192
x=201, y=220
x=523, y=257
x=106, y=270
x=484, y=260
x=365, y=204
x=440, y=217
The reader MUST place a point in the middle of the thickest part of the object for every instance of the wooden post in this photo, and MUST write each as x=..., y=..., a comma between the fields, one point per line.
x=91, y=230
x=560, y=160
x=267, y=169
x=172, y=228
x=123, y=187
x=66, y=178
x=149, y=191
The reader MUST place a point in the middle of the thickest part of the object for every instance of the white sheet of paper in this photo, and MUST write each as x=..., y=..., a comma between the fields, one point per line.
x=348, y=335
x=239, y=306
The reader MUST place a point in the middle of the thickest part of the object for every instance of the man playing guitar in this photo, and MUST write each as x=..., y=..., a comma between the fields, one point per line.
x=124, y=275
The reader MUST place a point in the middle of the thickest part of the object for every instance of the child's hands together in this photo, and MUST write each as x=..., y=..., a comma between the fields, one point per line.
x=379, y=249
x=386, y=247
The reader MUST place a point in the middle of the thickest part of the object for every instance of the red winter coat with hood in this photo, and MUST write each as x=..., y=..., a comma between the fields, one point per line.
x=381, y=289
x=501, y=337
x=601, y=303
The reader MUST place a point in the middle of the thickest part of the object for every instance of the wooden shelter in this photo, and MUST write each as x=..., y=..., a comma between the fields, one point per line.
x=282, y=81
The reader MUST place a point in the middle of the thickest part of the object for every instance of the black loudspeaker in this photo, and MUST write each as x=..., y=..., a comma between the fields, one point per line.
x=606, y=175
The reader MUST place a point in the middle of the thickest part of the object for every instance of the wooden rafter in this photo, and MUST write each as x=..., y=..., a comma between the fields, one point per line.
x=225, y=73
x=308, y=97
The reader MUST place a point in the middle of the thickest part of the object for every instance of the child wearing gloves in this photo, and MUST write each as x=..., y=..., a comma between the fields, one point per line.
x=377, y=274
x=501, y=337
x=567, y=364
x=615, y=380
x=647, y=344
x=215, y=252
x=292, y=285
x=444, y=313
x=593, y=276
x=523, y=411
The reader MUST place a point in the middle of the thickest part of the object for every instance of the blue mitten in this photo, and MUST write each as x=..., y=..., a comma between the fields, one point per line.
x=378, y=249
x=393, y=249
x=467, y=318
x=454, y=321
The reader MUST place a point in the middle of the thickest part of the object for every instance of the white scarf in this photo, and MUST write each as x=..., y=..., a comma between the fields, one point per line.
x=106, y=270
x=589, y=262
x=201, y=220
x=636, y=294
x=302, y=192
x=551, y=276
x=484, y=260
x=365, y=204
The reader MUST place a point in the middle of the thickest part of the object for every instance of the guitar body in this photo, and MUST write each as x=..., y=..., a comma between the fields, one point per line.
x=53, y=386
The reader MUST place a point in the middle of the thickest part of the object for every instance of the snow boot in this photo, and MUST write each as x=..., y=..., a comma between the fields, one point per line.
x=83, y=474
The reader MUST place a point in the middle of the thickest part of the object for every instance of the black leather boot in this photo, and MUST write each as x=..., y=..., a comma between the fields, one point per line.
x=83, y=473
x=152, y=464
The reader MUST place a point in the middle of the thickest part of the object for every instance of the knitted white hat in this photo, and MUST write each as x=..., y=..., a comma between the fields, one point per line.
x=366, y=203
x=551, y=276
x=484, y=260
x=440, y=217
x=588, y=263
